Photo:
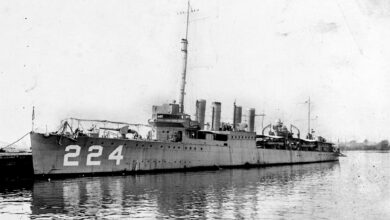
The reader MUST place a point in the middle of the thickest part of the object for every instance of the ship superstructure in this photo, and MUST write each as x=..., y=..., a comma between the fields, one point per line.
x=174, y=141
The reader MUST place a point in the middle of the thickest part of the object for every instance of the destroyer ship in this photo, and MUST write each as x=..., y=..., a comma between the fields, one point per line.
x=174, y=141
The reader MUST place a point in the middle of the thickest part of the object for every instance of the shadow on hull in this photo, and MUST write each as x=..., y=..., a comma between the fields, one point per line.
x=181, y=170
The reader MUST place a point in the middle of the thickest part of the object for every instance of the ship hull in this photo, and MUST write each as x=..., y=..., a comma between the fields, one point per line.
x=55, y=154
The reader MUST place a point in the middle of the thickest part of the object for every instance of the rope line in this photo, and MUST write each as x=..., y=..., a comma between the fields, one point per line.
x=15, y=141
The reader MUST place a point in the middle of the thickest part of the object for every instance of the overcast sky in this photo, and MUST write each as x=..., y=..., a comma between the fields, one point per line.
x=115, y=59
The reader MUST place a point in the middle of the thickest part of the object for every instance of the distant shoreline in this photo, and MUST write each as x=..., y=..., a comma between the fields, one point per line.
x=347, y=149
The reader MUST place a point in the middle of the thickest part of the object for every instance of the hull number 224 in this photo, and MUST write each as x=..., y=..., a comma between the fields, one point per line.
x=94, y=152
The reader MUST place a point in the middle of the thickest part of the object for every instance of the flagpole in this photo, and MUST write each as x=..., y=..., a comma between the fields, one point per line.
x=33, y=118
x=308, y=118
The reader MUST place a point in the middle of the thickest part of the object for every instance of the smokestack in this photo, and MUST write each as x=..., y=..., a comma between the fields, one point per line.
x=251, y=119
x=200, y=112
x=216, y=116
x=237, y=115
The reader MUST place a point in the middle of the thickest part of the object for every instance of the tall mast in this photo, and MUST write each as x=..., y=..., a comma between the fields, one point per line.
x=184, y=43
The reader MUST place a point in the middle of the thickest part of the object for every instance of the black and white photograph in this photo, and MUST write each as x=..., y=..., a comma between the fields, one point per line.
x=195, y=109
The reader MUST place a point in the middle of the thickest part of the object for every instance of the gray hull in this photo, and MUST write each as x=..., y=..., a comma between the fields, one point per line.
x=56, y=154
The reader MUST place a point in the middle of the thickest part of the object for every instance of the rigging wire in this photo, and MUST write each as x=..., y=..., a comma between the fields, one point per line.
x=349, y=28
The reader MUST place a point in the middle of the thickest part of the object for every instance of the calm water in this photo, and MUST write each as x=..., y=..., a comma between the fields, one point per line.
x=357, y=187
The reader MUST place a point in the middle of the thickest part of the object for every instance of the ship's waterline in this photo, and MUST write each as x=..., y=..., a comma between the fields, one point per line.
x=55, y=154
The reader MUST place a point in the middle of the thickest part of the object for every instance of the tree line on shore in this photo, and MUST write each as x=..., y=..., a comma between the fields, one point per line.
x=365, y=145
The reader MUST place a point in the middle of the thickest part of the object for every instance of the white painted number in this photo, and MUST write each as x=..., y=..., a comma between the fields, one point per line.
x=95, y=151
x=76, y=153
x=116, y=155
x=94, y=154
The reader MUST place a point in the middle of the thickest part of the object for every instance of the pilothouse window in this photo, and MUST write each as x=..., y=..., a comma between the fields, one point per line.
x=221, y=137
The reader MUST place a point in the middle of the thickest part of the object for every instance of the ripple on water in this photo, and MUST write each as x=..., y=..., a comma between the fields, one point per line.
x=358, y=187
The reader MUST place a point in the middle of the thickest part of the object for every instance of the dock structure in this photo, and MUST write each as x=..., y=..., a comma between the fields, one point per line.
x=16, y=164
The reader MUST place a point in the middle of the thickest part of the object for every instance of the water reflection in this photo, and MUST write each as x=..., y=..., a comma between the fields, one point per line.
x=15, y=197
x=231, y=193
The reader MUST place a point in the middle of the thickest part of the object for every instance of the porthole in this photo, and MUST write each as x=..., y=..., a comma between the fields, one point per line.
x=173, y=147
x=185, y=148
x=150, y=145
x=178, y=147
x=194, y=148
x=190, y=148
x=169, y=146
x=163, y=131
x=161, y=146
